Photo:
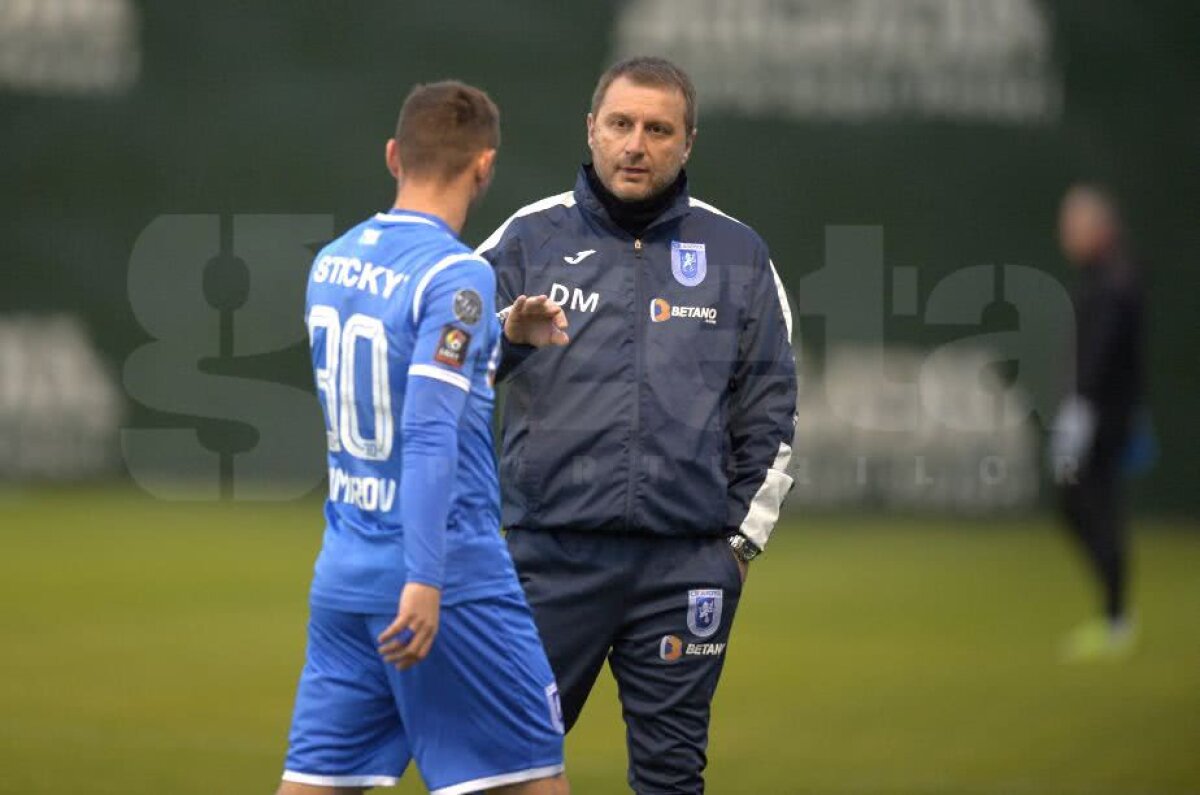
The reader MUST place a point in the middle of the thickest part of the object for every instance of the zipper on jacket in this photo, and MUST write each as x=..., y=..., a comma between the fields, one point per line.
x=634, y=447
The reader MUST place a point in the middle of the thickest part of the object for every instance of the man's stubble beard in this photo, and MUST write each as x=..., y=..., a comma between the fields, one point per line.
x=656, y=188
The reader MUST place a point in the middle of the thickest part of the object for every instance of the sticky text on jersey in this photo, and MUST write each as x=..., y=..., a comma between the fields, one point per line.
x=354, y=273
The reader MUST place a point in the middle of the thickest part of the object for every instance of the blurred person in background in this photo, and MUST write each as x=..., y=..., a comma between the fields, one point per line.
x=1097, y=422
x=644, y=463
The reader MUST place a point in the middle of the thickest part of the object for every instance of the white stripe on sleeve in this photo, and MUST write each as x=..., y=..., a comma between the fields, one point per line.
x=566, y=199
x=437, y=268
x=784, y=307
x=764, y=507
x=437, y=373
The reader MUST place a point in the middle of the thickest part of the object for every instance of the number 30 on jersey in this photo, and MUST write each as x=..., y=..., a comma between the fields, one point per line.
x=339, y=386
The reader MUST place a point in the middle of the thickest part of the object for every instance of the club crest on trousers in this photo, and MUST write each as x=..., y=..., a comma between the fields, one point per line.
x=704, y=611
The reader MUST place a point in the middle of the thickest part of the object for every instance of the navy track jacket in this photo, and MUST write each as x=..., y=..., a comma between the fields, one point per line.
x=671, y=412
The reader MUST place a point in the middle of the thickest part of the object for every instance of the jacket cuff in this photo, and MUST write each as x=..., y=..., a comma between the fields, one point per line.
x=512, y=356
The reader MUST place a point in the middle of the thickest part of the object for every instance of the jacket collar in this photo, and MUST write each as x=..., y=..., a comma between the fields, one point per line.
x=587, y=200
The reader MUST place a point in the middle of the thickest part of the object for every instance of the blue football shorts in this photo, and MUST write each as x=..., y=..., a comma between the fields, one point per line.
x=481, y=711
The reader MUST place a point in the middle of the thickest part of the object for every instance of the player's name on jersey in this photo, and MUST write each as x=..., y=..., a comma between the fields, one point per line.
x=364, y=493
x=354, y=273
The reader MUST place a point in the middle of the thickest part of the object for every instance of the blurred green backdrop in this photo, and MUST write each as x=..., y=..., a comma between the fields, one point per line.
x=280, y=107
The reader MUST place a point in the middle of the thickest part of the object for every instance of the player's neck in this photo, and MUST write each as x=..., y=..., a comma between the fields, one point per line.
x=448, y=202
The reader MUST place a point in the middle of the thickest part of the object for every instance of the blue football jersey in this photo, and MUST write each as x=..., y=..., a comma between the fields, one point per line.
x=405, y=341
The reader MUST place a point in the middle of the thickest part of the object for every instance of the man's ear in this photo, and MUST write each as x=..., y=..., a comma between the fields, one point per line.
x=689, y=143
x=391, y=154
x=591, y=129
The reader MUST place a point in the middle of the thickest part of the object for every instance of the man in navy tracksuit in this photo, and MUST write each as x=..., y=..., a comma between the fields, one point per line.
x=644, y=462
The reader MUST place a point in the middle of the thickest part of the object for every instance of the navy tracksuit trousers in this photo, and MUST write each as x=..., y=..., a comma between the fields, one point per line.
x=660, y=610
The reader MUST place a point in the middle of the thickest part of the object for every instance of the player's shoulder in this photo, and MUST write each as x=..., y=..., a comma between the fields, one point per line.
x=718, y=221
x=455, y=266
x=419, y=246
x=547, y=212
x=461, y=282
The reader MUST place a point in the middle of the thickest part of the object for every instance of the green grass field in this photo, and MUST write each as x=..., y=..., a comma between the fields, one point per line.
x=152, y=647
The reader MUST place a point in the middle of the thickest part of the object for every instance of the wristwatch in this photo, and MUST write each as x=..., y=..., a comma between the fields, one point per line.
x=743, y=548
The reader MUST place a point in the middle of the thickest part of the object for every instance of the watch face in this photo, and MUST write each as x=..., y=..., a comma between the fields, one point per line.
x=743, y=548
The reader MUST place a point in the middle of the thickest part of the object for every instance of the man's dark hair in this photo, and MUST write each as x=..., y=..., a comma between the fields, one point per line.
x=443, y=126
x=647, y=70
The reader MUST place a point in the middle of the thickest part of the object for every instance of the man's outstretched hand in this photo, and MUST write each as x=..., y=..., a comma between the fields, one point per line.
x=409, y=638
x=536, y=321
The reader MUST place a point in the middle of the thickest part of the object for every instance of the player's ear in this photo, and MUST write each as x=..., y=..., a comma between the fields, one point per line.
x=689, y=141
x=391, y=154
x=484, y=167
x=591, y=130
x=485, y=164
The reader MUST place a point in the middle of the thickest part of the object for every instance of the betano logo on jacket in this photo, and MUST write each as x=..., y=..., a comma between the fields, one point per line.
x=661, y=311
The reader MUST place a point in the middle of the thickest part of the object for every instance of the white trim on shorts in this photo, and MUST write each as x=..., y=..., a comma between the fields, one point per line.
x=532, y=774
x=339, y=781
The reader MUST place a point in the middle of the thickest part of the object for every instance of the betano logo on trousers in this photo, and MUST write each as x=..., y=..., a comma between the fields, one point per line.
x=672, y=647
x=661, y=311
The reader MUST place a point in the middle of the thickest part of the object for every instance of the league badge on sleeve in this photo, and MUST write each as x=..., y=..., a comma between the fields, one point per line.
x=704, y=611
x=468, y=306
x=688, y=263
x=452, y=346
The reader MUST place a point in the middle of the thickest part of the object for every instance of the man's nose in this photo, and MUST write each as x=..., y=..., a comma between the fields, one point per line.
x=635, y=144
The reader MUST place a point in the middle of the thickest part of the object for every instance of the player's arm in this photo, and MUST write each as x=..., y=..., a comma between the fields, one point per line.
x=762, y=411
x=530, y=322
x=452, y=317
x=1073, y=433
